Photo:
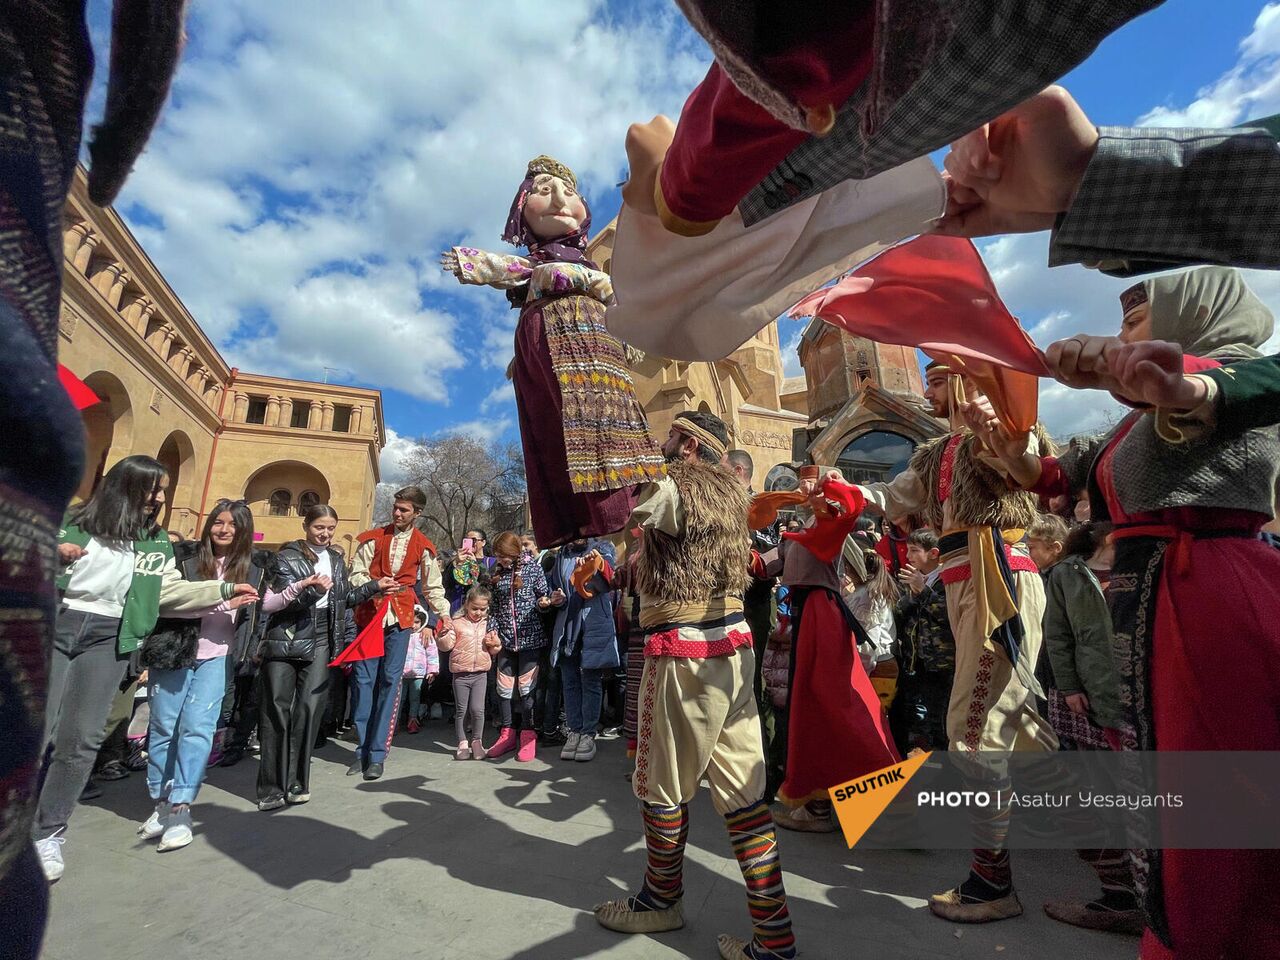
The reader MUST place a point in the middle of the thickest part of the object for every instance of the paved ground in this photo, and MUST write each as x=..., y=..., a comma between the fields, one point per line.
x=490, y=861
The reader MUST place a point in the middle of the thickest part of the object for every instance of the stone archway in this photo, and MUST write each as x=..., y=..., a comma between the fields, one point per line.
x=108, y=427
x=274, y=493
x=178, y=456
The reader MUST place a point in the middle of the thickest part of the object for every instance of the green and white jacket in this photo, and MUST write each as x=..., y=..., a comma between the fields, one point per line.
x=156, y=587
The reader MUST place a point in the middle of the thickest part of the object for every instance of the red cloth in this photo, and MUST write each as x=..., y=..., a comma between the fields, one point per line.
x=934, y=293
x=885, y=547
x=77, y=389
x=370, y=643
x=826, y=537
x=726, y=143
x=837, y=729
x=403, y=602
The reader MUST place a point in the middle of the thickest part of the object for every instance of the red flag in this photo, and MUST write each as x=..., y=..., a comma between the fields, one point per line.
x=934, y=293
x=77, y=389
x=370, y=643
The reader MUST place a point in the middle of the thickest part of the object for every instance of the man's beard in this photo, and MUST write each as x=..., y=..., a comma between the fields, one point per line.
x=672, y=457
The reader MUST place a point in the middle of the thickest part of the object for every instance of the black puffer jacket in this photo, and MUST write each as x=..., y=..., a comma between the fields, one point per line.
x=290, y=633
x=174, y=642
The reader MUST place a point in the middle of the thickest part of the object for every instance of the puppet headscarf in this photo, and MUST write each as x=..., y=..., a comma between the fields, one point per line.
x=1209, y=311
x=570, y=248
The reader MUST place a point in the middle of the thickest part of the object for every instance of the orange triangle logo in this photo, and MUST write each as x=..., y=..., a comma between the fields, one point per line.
x=860, y=802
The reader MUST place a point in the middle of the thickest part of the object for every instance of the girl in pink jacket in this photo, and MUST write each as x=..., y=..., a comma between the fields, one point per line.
x=471, y=645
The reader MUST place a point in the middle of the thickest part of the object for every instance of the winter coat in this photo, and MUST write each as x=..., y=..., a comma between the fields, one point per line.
x=465, y=645
x=584, y=625
x=924, y=631
x=776, y=669
x=290, y=633
x=175, y=641
x=519, y=619
x=1078, y=639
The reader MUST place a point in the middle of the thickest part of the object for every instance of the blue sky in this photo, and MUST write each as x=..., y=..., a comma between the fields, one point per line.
x=309, y=170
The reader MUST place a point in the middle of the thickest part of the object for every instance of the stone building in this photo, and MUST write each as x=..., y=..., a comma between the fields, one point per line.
x=866, y=404
x=747, y=389
x=166, y=391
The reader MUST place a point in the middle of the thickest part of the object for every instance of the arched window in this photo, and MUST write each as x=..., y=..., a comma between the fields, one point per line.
x=782, y=477
x=279, y=502
x=878, y=455
x=308, y=500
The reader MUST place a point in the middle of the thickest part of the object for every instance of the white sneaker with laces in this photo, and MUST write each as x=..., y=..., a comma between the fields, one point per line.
x=156, y=823
x=50, y=852
x=586, y=748
x=570, y=748
x=178, y=832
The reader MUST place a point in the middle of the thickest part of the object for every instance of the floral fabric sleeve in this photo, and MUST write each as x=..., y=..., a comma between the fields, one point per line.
x=494, y=269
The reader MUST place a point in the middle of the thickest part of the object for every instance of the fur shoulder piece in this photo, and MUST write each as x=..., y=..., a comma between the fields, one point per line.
x=710, y=558
x=980, y=496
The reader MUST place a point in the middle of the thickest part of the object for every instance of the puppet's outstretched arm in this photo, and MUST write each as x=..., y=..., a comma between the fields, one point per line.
x=500, y=270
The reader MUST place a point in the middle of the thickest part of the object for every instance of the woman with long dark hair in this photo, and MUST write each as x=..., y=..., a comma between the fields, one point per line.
x=189, y=663
x=311, y=605
x=118, y=576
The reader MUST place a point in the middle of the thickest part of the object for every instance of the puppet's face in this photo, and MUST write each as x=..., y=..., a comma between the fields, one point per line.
x=553, y=208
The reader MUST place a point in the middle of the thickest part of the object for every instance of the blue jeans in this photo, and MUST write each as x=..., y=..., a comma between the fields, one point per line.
x=185, y=706
x=583, y=693
x=376, y=696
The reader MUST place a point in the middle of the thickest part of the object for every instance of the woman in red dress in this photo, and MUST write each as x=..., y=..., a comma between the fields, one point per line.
x=1194, y=596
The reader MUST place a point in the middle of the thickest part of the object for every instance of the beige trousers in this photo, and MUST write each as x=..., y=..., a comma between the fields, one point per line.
x=993, y=706
x=698, y=719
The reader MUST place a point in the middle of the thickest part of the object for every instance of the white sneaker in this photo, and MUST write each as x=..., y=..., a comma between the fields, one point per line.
x=570, y=748
x=50, y=852
x=586, y=748
x=178, y=832
x=156, y=823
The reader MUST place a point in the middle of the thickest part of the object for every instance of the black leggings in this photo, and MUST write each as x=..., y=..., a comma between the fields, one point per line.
x=517, y=676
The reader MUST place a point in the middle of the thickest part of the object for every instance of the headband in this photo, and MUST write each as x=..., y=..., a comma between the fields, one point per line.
x=704, y=437
x=1134, y=297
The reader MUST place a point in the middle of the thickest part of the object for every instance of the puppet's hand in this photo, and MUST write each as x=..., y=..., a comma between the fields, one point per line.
x=647, y=145
x=449, y=262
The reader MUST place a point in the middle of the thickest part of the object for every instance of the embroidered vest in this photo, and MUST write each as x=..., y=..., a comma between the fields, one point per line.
x=380, y=566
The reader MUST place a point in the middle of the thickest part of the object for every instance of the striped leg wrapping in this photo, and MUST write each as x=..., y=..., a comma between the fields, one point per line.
x=665, y=831
x=754, y=839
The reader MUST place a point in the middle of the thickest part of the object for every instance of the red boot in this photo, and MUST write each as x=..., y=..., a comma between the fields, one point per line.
x=528, y=746
x=505, y=743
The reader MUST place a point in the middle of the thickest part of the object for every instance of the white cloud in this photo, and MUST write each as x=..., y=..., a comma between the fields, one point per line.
x=499, y=396
x=393, y=453
x=308, y=169
x=1248, y=91
x=484, y=430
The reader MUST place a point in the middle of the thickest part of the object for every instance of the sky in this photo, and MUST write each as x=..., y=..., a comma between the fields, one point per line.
x=308, y=171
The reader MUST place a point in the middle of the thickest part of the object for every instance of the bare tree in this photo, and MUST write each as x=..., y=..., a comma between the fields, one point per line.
x=468, y=484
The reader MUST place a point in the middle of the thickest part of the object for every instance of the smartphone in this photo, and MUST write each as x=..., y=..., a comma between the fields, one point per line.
x=468, y=544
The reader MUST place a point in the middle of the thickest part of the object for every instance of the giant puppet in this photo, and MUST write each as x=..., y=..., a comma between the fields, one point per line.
x=586, y=440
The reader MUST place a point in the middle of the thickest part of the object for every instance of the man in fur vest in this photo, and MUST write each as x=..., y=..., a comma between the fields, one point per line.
x=403, y=562
x=995, y=600
x=697, y=707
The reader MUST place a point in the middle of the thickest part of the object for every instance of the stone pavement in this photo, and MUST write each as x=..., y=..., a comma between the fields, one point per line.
x=492, y=861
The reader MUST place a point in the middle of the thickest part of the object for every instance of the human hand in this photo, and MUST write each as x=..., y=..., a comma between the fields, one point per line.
x=242, y=595
x=388, y=585
x=1150, y=372
x=1018, y=172
x=69, y=553
x=1078, y=704
x=646, y=145
x=982, y=420
x=911, y=578
x=544, y=602
x=558, y=597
